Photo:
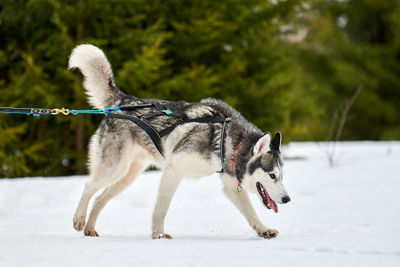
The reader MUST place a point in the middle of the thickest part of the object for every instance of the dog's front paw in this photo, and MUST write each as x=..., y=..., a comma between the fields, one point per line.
x=269, y=233
x=161, y=235
x=90, y=232
x=79, y=223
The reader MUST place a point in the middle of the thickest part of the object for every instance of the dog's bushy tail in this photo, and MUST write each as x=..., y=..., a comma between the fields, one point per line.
x=99, y=79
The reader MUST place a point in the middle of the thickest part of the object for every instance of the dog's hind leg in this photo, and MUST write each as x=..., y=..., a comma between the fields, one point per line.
x=168, y=185
x=91, y=187
x=137, y=166
x=101, y=176
x=242, y=201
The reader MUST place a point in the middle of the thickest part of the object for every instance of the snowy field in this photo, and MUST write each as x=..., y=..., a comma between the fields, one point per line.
x=348, y=215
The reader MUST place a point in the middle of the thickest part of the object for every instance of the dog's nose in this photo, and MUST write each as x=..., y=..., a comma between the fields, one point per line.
x=285, y=199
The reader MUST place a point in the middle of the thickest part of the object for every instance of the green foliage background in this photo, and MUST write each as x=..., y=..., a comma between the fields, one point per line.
x=238, y=51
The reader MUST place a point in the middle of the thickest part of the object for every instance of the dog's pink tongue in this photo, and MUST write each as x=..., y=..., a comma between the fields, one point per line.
x=272, y=204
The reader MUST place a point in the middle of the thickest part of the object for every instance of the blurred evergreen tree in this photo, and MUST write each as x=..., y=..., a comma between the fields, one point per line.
x=238, y=51
x=352, y=44
x=177, y=50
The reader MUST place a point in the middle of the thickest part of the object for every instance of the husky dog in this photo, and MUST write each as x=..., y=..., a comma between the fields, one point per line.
x=120, y=150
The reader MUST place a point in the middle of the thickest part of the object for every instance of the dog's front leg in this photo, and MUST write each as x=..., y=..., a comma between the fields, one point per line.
x=243, y=203
x=168, y=185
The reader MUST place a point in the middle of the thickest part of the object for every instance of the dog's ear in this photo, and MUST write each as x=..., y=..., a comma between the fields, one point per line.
x=262, y=145
x=276, y=142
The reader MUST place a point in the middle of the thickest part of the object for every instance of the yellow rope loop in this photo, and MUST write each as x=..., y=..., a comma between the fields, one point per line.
x=56, y=111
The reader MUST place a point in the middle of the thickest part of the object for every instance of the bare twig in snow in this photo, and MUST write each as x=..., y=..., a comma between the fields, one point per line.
x=340, y=116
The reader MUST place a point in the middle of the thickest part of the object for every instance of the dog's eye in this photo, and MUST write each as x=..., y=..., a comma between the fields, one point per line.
x=272, y=176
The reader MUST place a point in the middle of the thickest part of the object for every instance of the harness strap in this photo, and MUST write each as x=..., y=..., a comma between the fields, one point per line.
x=158, y=106
x=208, y=120
x=169, y=129
x=151, y=132
x=222, y=145
x=130, y=108
x=239, y=185
x=165, y=112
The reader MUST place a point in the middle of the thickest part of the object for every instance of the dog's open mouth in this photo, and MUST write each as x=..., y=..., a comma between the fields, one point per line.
x=268, y=202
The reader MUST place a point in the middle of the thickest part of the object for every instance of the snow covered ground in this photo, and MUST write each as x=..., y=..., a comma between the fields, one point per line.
x=343, y=216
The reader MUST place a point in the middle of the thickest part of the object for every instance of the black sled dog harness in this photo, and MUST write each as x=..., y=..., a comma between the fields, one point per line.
x=155, y=135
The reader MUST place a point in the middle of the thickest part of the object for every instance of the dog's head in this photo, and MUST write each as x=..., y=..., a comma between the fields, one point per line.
x=264, y=172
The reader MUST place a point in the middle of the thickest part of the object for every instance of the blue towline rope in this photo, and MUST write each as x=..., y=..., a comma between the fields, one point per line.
x=56, y=111
x=105, y=111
